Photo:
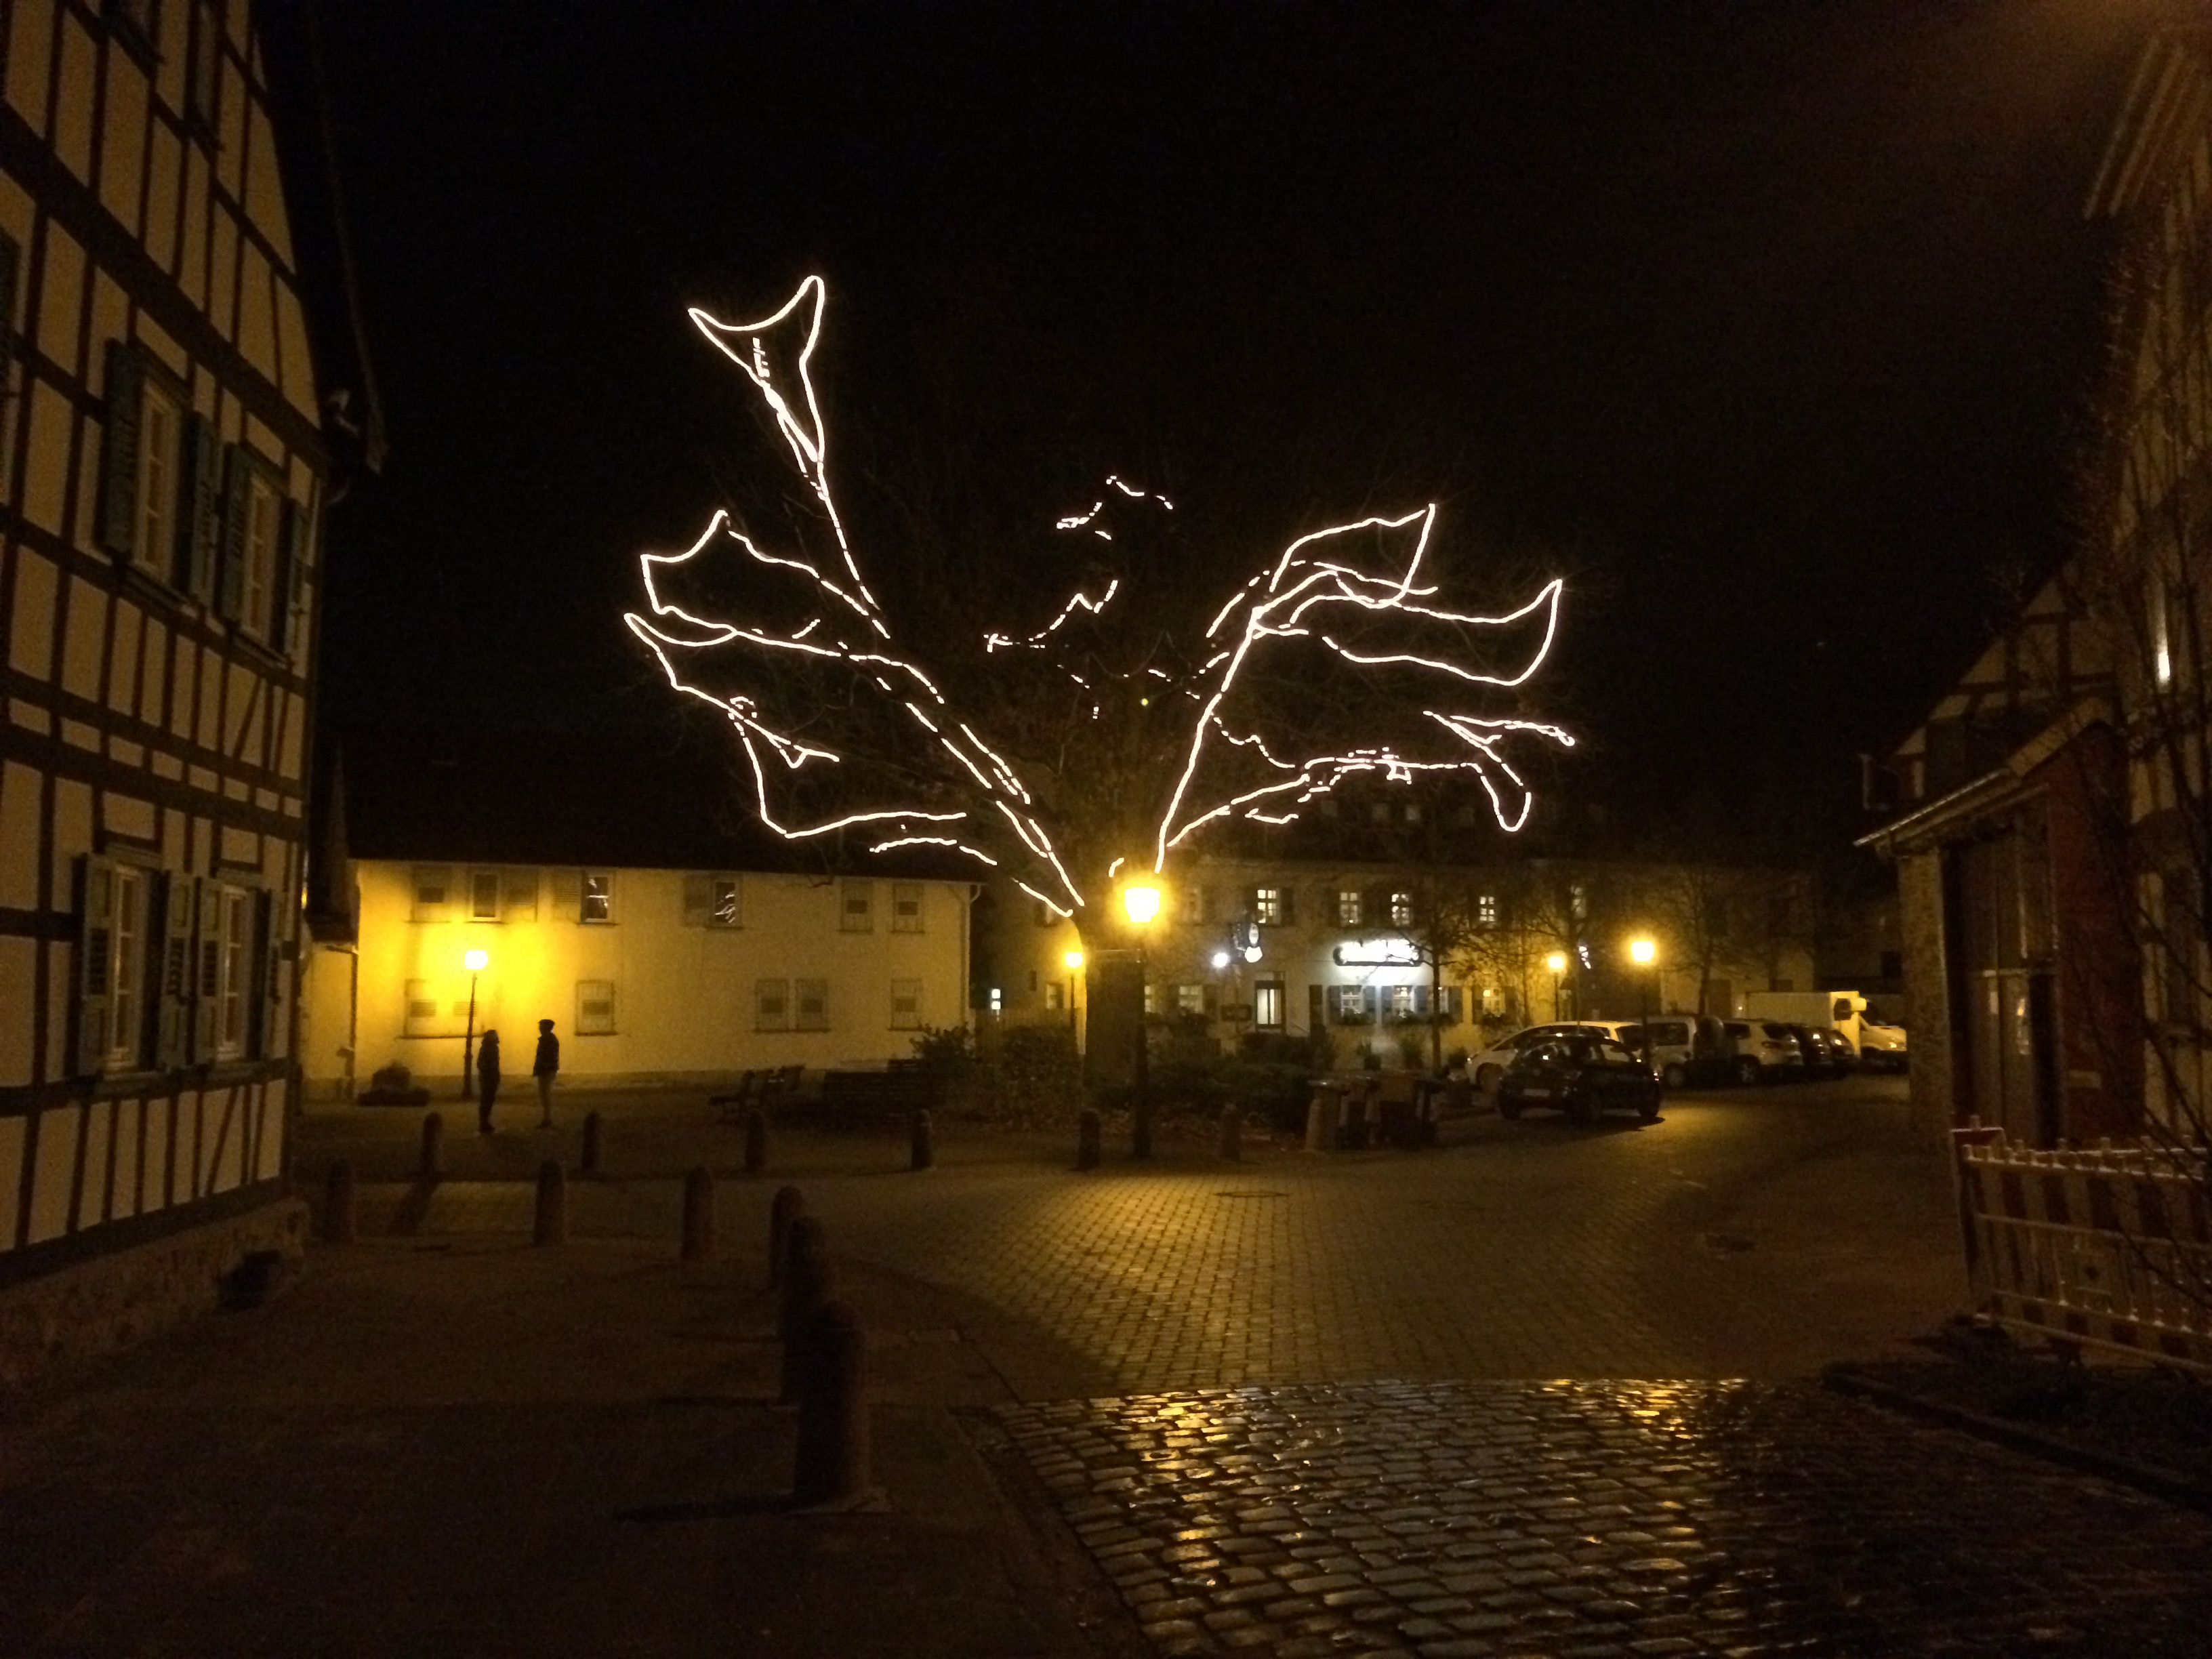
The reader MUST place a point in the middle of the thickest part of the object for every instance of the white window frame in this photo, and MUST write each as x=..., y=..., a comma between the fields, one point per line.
x=258, y=559
x=233, y=973
x=906, y=1005
x=906, y=907
x=160, y=485
x=1350, y=906
x=601, y=992
x=1269, y=1001
x=126, y=977
x=1271, y=905
x=1402, y=908
x=856, y=905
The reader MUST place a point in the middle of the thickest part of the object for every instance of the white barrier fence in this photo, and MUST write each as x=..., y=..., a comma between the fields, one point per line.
x=2108, y=1248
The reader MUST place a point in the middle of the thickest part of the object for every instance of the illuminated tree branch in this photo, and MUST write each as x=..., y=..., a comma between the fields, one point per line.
x=1053, y=753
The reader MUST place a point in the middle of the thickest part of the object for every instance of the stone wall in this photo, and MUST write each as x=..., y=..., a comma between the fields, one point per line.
x=120, y=1299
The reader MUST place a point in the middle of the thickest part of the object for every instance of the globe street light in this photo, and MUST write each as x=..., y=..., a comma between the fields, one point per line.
x=474, y=961
x=1643, y=951
x=1141, y=902
x=1556, y=962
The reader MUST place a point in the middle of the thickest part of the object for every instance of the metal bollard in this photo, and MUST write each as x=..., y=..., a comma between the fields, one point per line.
x=551, y=1226
x=698, y=1215
x=1321, y=1121
x=338, y=1207
x=832, y=1463
x=1232, y=1133
x=756, y=1141
x=786, y=1207
x=809, y=1278
x=925, y=1143
x=433, y=1162
x=1140, y=1130
x=1087, y=1133
x=589, y=1162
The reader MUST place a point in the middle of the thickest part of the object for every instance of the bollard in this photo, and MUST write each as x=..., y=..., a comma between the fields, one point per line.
x=1087, y=1133
x=925, y=1143
x=432, y=1162
x=809, y=1280
x=1140, y=1130
x=756, y=1141
x=338, y=1205
x=589, y=1163
x=832, y=1462
x=698, y=1215
x=1232, y=1133
x=1321, y=1120
x=786, y=1207
x=552, y=1224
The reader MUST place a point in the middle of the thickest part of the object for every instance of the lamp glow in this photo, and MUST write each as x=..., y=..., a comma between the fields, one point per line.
x=1556, y=962
x=1141, y=901
x=1220, y=960
x=1073, y=959
x=1641, y=950
x=476, y=961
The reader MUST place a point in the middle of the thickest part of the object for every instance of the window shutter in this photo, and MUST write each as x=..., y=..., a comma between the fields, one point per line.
x=698, y=900
x=1290, y=896
x=119, y=485
x=96, y=939
x=230, y=574
x=261, y=1021
x=203, y=515
x=1371, y=1000
x=290, y=582
x=207, y=973
x=174, y=988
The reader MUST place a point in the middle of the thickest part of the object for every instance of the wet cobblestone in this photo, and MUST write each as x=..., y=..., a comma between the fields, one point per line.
x=1509, y=1521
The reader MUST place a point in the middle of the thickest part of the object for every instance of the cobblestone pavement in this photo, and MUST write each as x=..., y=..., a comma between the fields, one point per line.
x=1459, y=1519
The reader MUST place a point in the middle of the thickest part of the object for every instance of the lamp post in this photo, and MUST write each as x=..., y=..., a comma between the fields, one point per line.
x=1642, y=952
x=1556, y=962
x=474, y=961
x=1074, y=961
x=1140, y=902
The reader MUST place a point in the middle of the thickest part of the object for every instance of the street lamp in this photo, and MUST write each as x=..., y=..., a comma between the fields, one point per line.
x=1140, y=902
x=1074, y=961
x=1642, y=952
x=1556, y=962
x=475, y=962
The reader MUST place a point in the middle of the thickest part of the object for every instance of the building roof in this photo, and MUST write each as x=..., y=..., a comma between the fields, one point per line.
x=627, y=799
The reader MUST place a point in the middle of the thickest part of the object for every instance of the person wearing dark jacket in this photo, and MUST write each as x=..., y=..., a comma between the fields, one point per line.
x=487, y=1081
x=544, y=1068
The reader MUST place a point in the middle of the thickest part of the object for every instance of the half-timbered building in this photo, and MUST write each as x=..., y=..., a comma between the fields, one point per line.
x=168, y=450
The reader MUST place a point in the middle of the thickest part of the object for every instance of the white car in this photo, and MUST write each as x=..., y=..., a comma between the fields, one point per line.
x=1486, y=1066
x=1882, y=1047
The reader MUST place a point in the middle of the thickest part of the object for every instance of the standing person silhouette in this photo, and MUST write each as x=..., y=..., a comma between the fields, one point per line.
x=544, y=1068
x=487, y=1079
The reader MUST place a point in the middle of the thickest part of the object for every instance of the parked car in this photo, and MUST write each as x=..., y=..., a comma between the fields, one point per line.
x=1825, y=1049
x=1762, y=1051
x=1581, y=1076
x=1882, y=1047
x=1686, y=1048
x=1487, y=1066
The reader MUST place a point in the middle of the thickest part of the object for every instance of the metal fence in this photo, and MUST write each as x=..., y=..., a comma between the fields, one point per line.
x=2108, y=1248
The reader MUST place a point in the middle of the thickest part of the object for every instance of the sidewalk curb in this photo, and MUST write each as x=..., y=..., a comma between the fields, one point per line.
x=2163, y=1484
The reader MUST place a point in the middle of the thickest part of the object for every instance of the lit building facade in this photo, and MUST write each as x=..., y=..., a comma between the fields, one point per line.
x=170, y=438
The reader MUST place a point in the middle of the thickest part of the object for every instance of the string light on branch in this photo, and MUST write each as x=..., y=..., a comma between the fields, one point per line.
x=831, y=704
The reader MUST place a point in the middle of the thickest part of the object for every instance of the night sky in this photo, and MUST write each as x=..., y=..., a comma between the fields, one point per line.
x=1767, y=324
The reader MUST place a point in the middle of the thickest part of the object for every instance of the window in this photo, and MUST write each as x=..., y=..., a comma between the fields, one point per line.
x=1578, y=900
x=811, y=997
x=1191, y=906
x=595, y=1007
x=598, y=903
x=518, y=895
x=1399, y=1001
x=249, y=598
x=1485, y=911
x=1267, y=1005
x=1190, y=998
x=1055, y=996
x=1401, y=908
x=1152, y=997
x=1413, y=812
x=712, y=901
x=1350, y=906
x=906, y=907
x=431, y=884
x=421, y=1009
x=112, y=967
x=772, y=1004
x=1351, y=1005
x=1379, y=812
x=483, y=895
x=233, y=973
x=906, y=1005
x=160, y=428
x=856, y=906
x=1271, y=905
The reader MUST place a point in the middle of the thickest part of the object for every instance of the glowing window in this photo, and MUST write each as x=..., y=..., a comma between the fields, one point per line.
x=1190, y=998
x=1350, y=906
x=1485, y=911
x=1267, y=1005
x=1271, y=905
x=599, y=896
x=1401, y=910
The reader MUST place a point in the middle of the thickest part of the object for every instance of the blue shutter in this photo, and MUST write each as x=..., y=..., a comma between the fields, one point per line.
x=118, y=484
